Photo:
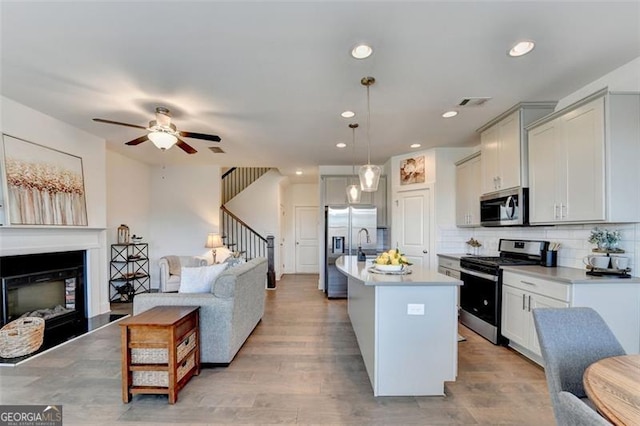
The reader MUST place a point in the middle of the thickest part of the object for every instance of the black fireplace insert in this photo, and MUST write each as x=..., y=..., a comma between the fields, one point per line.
x=46, y=285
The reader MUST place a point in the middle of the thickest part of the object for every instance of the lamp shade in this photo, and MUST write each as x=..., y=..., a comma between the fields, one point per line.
x=353, y=194
x=369, y=177
x=213, y=241
x=162, y=140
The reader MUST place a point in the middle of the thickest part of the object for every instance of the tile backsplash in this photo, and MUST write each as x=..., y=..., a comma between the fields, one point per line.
x=573, y=239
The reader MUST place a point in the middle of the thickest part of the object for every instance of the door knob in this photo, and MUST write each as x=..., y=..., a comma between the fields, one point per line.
x=425, y=251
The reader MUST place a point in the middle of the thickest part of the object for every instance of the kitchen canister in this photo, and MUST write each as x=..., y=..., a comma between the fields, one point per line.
x=123, y=234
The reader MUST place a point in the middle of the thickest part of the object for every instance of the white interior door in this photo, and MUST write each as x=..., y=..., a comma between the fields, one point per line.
x=413, y=226
x=306, y=240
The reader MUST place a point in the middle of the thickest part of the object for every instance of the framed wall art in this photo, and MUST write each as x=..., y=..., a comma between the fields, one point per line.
x=412, y=170
x=44, y=186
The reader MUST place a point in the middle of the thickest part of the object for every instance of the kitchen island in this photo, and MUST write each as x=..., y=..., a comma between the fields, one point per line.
x=406, y=327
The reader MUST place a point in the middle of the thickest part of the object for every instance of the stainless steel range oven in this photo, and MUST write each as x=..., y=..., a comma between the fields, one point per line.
x=481, y=294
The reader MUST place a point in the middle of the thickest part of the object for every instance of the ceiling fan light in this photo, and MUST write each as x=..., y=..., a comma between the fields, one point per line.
x=369, y=177
x=162, y=140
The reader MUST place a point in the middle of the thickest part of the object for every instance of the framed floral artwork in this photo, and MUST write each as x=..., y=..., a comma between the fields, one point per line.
x=412, y=170
x=44, y=186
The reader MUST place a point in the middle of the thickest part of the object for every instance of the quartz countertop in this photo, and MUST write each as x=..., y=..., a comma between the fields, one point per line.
x=454, y=256
x=419, y=276
x=567, y=275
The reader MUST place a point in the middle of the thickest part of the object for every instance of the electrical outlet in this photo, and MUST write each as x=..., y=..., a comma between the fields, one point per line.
x=415, y=309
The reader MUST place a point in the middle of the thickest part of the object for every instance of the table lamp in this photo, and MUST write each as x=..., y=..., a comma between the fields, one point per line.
x=214, y=241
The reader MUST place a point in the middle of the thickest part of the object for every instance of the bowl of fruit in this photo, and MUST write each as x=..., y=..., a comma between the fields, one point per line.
x=390, y=261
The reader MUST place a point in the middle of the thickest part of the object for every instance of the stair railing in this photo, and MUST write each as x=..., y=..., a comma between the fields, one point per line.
x=240, y=237
x=236, y=179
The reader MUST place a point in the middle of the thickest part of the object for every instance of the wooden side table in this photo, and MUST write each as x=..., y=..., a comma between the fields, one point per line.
x=160, y=351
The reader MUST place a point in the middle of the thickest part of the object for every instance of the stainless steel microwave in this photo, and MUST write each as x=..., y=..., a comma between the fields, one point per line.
x=505, y=208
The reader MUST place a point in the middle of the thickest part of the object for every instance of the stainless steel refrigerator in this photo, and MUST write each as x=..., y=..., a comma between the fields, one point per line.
x=346, y=229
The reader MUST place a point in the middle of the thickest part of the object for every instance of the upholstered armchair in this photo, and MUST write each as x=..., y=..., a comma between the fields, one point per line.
x=170, y=267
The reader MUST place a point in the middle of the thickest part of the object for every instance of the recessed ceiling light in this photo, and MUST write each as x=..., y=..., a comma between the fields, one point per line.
x=298, y=172
x=341, y=145
x=450, y=114
x=415, y=145
x=348, y=114
x=522, y=48
x=361, y=51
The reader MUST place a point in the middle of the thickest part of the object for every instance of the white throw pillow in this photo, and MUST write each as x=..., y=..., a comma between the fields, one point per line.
x=199, y=279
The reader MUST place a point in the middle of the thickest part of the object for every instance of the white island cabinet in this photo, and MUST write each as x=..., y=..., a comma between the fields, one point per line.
x=406, y=327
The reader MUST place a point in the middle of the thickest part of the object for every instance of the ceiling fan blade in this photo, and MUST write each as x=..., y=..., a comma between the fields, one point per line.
x=185, y=147
x=101, y=120
x=206, y=137
x=138, y=141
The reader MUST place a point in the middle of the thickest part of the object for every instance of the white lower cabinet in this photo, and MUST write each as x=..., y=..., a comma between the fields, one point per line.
x=520, y=295
x=616, y=301
x=517, y=319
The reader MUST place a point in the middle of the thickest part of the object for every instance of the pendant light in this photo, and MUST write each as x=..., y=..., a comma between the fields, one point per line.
x=353, y=190
x=369, y=173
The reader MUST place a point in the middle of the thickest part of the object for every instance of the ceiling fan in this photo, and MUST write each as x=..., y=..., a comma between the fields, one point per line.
x=163, y=133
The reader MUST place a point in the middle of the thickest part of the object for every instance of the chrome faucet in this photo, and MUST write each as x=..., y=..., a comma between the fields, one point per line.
x=361, y=255
x=366, y=232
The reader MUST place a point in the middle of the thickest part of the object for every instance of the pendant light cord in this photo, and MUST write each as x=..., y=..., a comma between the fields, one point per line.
x=353, y=127
x=368, y=127
x=353, y=151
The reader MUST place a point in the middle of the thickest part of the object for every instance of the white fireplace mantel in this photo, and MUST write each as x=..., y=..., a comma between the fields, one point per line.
x=18, y=240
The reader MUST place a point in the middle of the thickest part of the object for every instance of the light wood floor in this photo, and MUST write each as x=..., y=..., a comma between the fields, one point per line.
x=301, y=365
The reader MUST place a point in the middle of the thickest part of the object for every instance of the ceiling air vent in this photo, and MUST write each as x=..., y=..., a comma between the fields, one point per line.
x=216, y=150
x=473, y=101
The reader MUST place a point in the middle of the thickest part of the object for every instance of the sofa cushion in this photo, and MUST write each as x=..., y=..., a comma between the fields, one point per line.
x=234, y=261
x=199, y=279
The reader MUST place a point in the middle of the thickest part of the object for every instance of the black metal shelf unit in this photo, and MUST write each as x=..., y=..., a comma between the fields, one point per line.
x=129, y=271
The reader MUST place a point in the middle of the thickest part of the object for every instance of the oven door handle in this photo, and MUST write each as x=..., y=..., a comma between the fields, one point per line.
x=479, y=274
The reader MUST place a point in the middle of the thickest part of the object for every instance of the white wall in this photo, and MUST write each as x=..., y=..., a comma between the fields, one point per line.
x=259, y=206
x=128, y=196
x=184, y=208
x=23, y=122
x=624, y=78
x=441, y=180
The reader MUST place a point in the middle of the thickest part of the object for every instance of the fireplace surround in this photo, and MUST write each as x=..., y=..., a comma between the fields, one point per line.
x=46, y=285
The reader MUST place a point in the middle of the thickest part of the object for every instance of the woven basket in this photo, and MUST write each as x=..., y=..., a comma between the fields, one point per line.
x=21, y=337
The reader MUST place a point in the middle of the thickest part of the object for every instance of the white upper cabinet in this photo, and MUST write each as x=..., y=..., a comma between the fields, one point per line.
x=335, y=190
x=504, y=147
x=583, y=162
x=335, y=194
x=468, y=191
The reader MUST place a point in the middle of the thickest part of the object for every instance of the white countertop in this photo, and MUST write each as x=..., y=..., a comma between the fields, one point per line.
x=454, y=256
x=567, y=275
x=350, y=266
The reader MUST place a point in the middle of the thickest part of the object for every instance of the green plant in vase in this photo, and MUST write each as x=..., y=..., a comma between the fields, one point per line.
x=605, y=239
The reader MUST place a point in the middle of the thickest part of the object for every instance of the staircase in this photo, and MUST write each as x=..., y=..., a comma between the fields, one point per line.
x=236, y=179
x=237, y=234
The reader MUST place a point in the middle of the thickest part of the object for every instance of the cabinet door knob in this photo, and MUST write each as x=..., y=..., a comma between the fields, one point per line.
x=425, y=251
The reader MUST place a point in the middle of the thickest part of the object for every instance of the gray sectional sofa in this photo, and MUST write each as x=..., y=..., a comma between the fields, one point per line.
x=228, y=314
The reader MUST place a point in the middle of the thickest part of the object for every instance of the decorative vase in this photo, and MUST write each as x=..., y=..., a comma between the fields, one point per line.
x=123, y=234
